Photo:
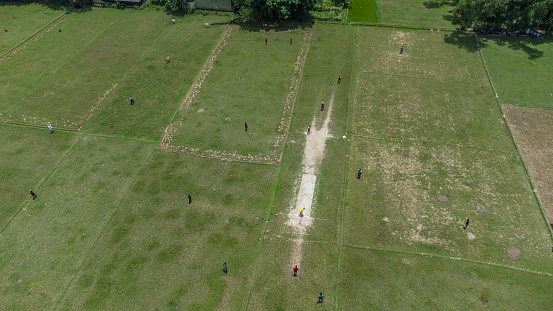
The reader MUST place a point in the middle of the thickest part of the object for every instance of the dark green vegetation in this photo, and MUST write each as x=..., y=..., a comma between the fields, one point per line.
x=274, y=10
x=363, y=11
x=112, y=228
x=505, y=14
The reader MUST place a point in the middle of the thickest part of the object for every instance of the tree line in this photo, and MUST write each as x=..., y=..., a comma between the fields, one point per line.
x=507, y=15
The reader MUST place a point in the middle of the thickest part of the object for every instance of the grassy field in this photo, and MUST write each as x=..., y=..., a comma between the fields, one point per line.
x=259, y=92
x=393, y=281
x=21, y=22
x=158, y=88
x=518, y=66
x=32, y=156
x=112, y=227
x=43, y=247
x=363, y=11
x=158, y=243
x=417, y=13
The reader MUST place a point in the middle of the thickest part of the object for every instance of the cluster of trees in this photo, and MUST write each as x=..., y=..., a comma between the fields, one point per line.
x=275, y=9
x=509, y=15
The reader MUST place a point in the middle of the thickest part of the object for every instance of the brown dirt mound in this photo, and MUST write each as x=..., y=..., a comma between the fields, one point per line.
x=481, y=208
x=513, y=253
x=442, y=198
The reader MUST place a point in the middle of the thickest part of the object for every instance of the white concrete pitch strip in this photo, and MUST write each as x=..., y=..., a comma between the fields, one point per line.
x=305, y=198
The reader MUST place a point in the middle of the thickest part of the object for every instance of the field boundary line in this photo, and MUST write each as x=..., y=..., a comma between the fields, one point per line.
x=431, y=142
x=532, y=185
x=341, y=213
x=206, y=70
x=16, y=48
x=297, y=87
x=48, y=174
x=447, y=257
x=123, y=195
x=62, y=66
x=262, y=238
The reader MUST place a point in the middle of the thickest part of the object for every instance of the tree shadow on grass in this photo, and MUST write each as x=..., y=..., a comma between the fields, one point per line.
x=463, y=41
x=439, y=3
x=522, y=43
x=276, y=26
x=52, y=5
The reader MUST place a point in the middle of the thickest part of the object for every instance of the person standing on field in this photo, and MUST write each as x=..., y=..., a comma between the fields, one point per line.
x=321, y=296
x=189, y=198
x=290, y=40
x=339, y=79
x=308, y=130
x=132, y=100
x=295, y=270
x=265, y=41
x=33, y=194
x=50, y=128
x=225, y=267
x=359, y=174
x=322, y=106
x=466, y=224
x=246, y=126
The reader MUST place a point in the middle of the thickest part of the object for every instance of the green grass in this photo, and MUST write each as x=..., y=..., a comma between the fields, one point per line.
x=112, y=228
x=158, y=88
x=330, y=55
x=397, y=281
x=238, y=91
x=364, y=11
x=29, y=156
x=158, y=242
x=21, y=79
x=101, y=63
x=43, y=247
x=22, y=21
x=417, y=13
x=433, y=92
x=518, y=67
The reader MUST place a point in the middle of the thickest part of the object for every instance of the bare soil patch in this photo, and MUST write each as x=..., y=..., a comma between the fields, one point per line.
x=532, y=131
x=442, y=198
x=471, y=236
x=513, y=253
x=481, y=208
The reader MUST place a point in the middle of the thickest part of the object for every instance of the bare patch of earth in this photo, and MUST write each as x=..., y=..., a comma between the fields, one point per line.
x=442, y=198
x=513, y=253
x=471, y=236
x=481, y=208
x=532, y=131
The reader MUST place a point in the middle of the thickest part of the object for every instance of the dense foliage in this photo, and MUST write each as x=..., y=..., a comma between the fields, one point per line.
x=505, y=14
x=275, y=9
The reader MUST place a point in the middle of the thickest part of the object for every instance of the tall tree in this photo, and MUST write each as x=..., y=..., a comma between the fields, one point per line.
x=275, y=9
